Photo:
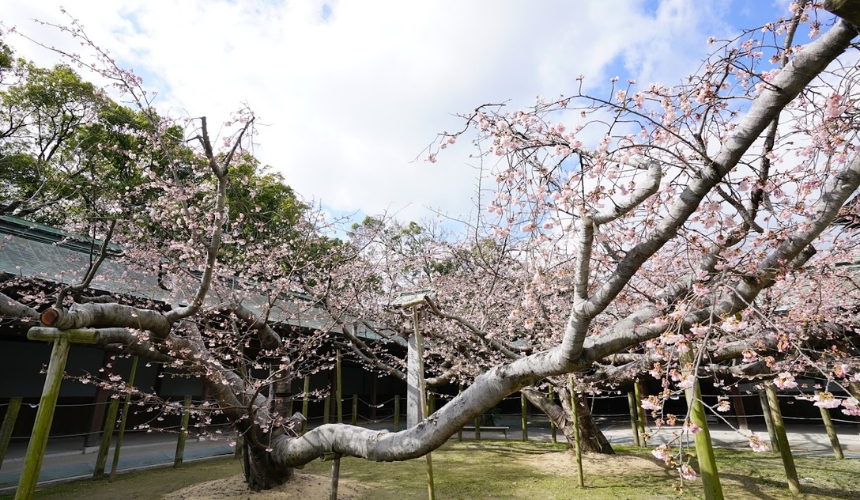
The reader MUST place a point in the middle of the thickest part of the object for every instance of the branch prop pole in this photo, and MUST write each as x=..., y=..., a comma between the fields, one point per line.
x=704, y=447
x=784, y=447
x=577, y=441
x=45, y=415
x=123, y=420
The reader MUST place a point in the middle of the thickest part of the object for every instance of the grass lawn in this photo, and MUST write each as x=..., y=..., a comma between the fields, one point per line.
x=514, y=470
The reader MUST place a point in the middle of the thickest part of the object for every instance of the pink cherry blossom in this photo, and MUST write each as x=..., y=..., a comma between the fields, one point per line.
x=687, y=472
x=785, y=380
x=757, y=444
x=826, y=400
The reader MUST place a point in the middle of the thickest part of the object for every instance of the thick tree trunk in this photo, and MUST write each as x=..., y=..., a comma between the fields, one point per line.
x=261, y=472
x=591, y=438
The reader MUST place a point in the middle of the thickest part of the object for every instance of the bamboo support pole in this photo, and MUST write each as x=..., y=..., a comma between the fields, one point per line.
x=107, y=436
x=551, y=421
x=640, y=413
x=339, y=388
x=123, y=420
x=307, y=390
x=460, y=431
x=784, y=447
x=634, y=420
x=8, y=426
x=831, y=434
x=44, y=418
x=478, y=428
x=354, y=419
x=740, y=411
x=396, y=412
x=704, y=447
x=768, y=421
x=183, y=433
x=854, y=390
x=525, y=416
x=576, y=435
x=326, y=410
x=335, y=475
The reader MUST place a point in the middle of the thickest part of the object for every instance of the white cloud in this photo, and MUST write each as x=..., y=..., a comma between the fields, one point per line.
x=352, y=99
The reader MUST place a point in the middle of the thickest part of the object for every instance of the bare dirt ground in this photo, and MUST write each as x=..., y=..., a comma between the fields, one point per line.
x=305, y=486
x=312, y=487
x=594, y=464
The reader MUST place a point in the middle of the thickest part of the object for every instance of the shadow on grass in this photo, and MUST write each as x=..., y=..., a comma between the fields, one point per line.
x=763, y=476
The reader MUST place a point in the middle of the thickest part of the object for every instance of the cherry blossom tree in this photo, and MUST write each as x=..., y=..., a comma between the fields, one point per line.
x=649, y=221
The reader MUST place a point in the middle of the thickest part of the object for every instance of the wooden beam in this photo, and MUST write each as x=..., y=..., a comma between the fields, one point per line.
x=76, y=336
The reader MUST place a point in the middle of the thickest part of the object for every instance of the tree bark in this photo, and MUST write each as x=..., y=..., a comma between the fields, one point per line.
x=592, y=439
x=261, y=472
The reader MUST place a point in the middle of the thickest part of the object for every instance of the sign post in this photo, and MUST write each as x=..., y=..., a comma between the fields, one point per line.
x=416, y=348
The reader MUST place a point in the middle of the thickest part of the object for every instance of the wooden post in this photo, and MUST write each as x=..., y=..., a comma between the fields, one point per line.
x=525, y=416
x=397, y=413
x=183, y=432
x=460, y=431
x=335, y=474
x=831, y=433
x=551, y=421
x=634, y=420
x=107, y=436
x=326, y=409
x=419, y=344
x=339, y=388
x=101, y=402
x=640, y=413
x=740, y=411
x=768, y=421
x=374, y=383
x=431, y=404
x=478, y=428
x=576, y=436
x=123, y=420
x=47, y=404
x=354, y=409
x=854, y=390
x=307, y=390
x=784, y=447
x=8, y=426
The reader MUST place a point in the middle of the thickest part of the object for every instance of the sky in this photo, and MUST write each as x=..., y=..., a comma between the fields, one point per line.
x=350, y=93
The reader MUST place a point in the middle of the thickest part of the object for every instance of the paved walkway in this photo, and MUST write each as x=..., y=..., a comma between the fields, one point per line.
x=66, y=459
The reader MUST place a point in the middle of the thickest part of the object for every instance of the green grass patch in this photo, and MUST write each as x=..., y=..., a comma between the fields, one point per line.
x=150, y=484
x=516, y=470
